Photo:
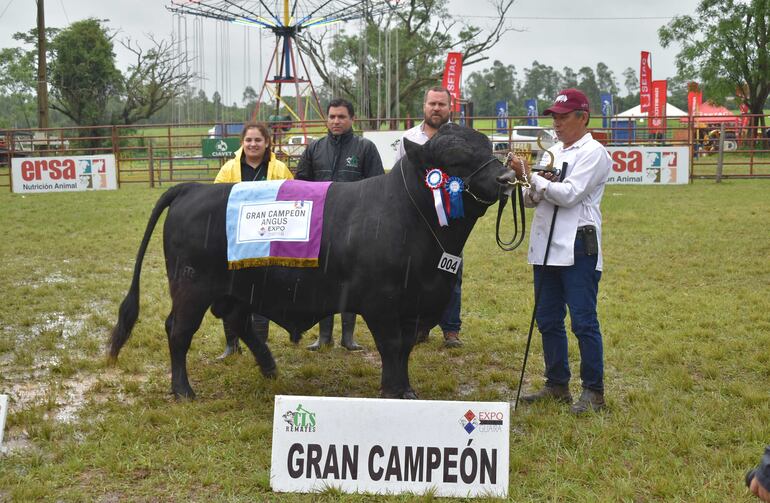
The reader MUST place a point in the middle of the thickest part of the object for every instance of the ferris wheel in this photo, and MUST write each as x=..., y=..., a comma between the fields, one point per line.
x=286, y=19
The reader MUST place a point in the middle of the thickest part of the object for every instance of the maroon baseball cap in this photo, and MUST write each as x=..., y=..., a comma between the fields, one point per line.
x=567, y=101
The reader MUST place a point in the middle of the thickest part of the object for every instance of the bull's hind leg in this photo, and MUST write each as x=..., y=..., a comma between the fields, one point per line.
x=240, y=319
x=395, y=345
x=183, y=321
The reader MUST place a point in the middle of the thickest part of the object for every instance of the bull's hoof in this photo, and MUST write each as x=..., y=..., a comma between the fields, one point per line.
x=230, y=349
x=399, y=395
x=184, y=394
x=318, y=345
x=352, y=346
x=270, y=373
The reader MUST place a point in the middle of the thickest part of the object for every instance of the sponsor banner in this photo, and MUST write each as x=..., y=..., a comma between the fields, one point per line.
x=657, y=112
x=645, y=81
x=64, y=174
x=3, y=413
x=649, y=165
x=532, y=112
x=220, y=147
x=387, y=143
x=606, y=99
x=501, y=109
x=452, y=74
x=457, y=449
x=694, y=101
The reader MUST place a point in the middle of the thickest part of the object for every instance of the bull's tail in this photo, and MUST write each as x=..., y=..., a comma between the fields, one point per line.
x=129, y=308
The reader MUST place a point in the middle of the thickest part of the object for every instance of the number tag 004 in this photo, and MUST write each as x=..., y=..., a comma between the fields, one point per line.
x=449, y=263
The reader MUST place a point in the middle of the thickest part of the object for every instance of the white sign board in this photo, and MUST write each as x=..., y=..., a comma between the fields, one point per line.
x=366, y=445
x=387, y=143
x=63, y=174
x=3, y=413
x=274, y=221
x=649, y=165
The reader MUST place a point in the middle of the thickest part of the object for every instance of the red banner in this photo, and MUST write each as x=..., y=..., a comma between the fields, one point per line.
x=452, y=74
x=694, y=101
x=645, y=77
x=657, y=112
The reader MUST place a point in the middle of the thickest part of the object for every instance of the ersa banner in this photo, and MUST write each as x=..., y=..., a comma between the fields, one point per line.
x=63, y=174
x=649, y=165
x=362, y=445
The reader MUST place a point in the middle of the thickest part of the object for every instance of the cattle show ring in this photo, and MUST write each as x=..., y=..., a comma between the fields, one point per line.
x=123, y=266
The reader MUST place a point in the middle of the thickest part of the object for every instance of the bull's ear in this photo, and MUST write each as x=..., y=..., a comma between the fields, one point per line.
x=415, y=153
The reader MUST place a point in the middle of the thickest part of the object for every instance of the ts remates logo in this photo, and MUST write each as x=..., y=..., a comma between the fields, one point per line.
x=300, y=420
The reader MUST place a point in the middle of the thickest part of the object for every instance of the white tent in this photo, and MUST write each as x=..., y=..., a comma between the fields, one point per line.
x=636, y=112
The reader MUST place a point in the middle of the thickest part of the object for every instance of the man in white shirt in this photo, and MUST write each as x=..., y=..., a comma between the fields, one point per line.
x=570, y=279
x=436, y=109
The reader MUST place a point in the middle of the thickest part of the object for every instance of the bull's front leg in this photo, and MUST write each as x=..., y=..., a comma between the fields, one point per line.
x=394, y=344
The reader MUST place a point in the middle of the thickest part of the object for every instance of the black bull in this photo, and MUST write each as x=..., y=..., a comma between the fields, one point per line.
x=378, y=258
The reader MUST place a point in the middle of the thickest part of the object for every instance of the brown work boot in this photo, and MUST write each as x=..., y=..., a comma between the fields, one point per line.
x=589, y=401
x=422, y=336
x=452, y=339
x=557, y=392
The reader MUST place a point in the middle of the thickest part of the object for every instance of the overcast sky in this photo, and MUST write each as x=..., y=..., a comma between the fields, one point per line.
x=558, y=33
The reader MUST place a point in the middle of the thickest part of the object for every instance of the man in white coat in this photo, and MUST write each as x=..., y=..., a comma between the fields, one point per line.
x=570, y=279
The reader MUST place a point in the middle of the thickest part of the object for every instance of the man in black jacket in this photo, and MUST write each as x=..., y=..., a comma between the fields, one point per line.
x=339, y=157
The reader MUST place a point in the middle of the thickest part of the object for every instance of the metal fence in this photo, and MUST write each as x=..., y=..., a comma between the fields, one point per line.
x=157, y=155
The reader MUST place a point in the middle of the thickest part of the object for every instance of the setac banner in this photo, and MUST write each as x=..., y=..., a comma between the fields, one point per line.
x=649, y=165
x=657, y=111
x=453, y=72
x=443, y=448
x=607, y=108
x=501, y=110
x=645, y=80
x=63, y=174
x=532, y=112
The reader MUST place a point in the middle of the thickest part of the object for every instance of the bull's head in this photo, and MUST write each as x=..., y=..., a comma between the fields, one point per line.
x=465, y=153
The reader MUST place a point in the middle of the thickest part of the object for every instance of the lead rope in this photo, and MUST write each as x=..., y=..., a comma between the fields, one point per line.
x=518, y=237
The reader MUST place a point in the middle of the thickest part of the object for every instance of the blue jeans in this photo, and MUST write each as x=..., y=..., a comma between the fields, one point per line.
x=450, y=320
x=576, y=287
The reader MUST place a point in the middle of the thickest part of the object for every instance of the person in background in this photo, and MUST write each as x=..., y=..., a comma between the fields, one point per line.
x=436, y=109
x=571, y=277
x=340, y=156
x=254, y=161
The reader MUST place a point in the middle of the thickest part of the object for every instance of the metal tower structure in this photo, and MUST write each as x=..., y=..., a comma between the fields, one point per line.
x=286, y=23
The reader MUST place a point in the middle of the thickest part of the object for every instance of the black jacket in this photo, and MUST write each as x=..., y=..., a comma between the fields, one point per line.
x=343, y=158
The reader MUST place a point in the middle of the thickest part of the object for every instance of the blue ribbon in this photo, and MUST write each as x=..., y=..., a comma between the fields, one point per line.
x=455, y=187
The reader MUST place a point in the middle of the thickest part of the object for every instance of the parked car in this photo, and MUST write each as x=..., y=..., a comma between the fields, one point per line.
x=524, y=139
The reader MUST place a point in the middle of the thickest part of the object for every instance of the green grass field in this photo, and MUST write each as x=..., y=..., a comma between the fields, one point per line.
x=683, y=305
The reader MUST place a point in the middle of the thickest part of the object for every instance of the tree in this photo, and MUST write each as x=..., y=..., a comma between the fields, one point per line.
x=422, y=33
x=18, y=80
x=155, y=78
x=587, y=83
x=485, y=88
x=569, y=78
x=83, y=73
x=727, y=44
x=605, y=79
x=541, y=82
x=631, y=81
